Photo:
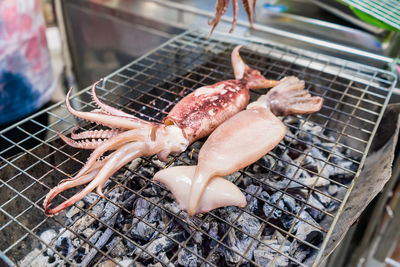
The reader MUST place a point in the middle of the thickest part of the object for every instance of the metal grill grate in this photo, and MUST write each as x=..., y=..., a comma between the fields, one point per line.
x=268, y=230
x=387, y=11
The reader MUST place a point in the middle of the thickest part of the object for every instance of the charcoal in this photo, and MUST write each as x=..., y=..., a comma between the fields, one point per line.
x=74, y=211
x=270, y=161
x=187, y=258
x=332, y=189
x=305, y=232
x=133, y=166
x=290, y=167
x=101, y=241
x=64, y=243
x=117, y=247
x=186, y=221
x=326, y=201
x=286, y=203
x=252, y=202
x=96, y=235
x=312, y=128
x=239, y=241
x=266, y=252
x=161, y=244
x=152, y=191
x=47, y=237
x=124, y=262
x=110, y=210
x=216, y=259
x=213, y=232
x=158, y=264
x=130, y=247
x=143, y=231
x=91, y=198
x=271, y=211
x=232, y=178
x=315, y=212
x=158, y=163
x=142, y=207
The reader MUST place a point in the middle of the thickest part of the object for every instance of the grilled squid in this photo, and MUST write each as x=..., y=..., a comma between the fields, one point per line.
x=221, y=8
x=194, y=117
x=235, y=144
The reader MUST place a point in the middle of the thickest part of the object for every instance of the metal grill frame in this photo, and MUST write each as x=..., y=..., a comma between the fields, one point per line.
x=369, y=76
x=387, y=11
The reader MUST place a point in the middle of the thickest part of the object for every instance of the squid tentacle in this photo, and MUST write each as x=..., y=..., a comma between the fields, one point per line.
x=102, y=134
x=222, y=6
x=95, y=167
x=97, y=178
x=220, y=10
x=112, y=144
x=113, y=121
x=249, y=8
x=62, y=187
x=106, y=108
x=85, y=144
x=118, y=159
x=235, y=8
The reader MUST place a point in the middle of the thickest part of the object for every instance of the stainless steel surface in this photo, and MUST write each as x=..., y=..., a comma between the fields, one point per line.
x=102, y=40
x=131, y=28
x=355, y=98
x=385, y=10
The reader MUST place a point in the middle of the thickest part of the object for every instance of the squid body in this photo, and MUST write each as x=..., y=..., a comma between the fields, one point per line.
x=235, y=144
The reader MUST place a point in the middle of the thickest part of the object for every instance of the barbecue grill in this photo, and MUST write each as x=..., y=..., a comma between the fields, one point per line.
x=295, y=193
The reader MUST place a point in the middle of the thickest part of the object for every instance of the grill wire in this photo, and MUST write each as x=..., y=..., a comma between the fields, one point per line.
x=387, y=11
x=355, y=98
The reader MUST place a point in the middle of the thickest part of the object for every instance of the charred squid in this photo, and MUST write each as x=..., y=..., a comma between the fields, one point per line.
x=194, y=117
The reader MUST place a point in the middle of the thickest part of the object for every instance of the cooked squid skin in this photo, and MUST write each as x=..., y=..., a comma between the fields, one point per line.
x=239, y=142
x=194, y=117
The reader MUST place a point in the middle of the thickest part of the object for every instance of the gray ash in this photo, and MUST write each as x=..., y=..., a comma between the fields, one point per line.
x=287, y=202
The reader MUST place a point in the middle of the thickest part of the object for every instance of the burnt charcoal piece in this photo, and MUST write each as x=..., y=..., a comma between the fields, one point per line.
x=270, y=161
x=286, y=203
x=152, y=191
x=305, y=232
x=265, y=253
x=233, y=177
x=186, y=221
x=64, y=244
x=109, y=211
x=144, y=229
x=118, y=248
x=333, y=189
x=101, y=241
x=271, y=211
x=161, y=245
x=253, y=203
x=187, y=258
x=213, y=232
x=47, y=236
x=316, y=212
x=239, y=240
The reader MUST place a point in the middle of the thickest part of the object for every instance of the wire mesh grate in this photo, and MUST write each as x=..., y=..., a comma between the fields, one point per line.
x=295, y=193
x=387, y=11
